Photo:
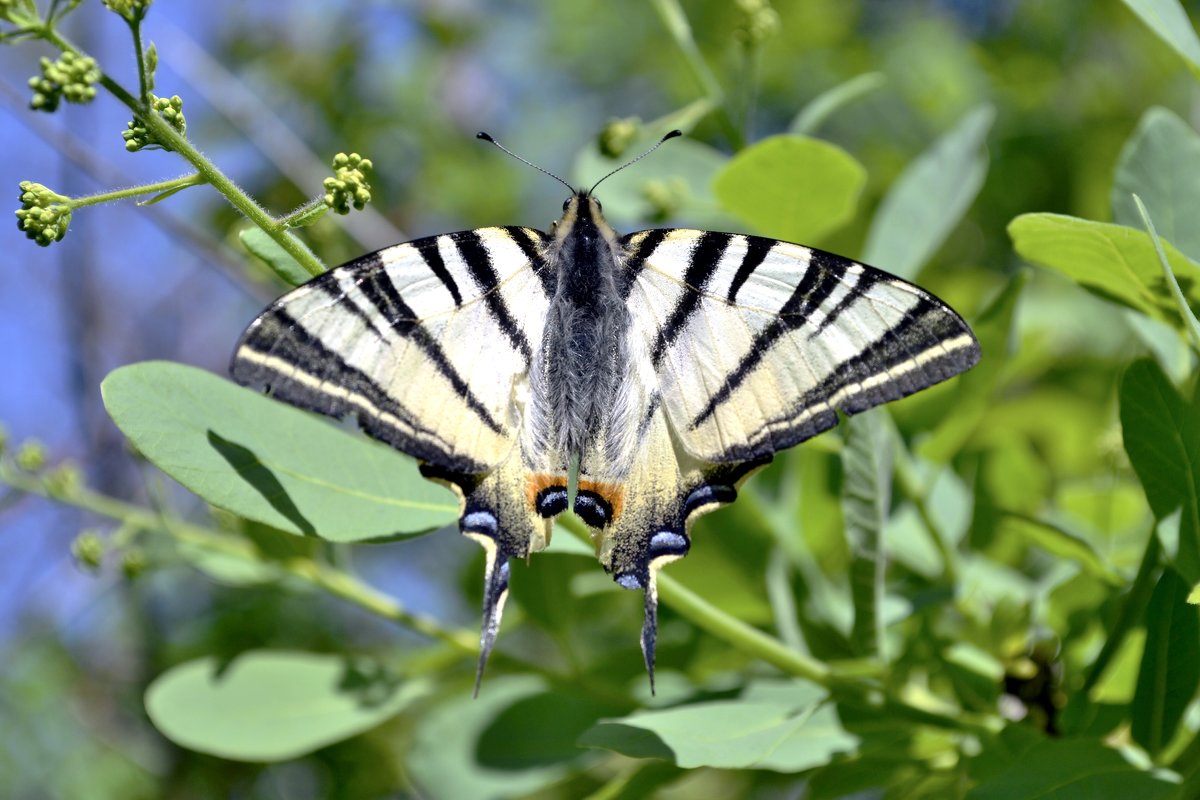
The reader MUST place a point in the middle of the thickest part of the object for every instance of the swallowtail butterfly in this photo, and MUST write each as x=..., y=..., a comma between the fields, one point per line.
x=665, y=365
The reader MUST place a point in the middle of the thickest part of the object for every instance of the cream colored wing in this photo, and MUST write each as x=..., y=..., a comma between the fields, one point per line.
x=428, y=344
x=758, y=343
x=423, y=342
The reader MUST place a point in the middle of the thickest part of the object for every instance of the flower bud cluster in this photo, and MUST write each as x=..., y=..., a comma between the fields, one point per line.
x=348, y=187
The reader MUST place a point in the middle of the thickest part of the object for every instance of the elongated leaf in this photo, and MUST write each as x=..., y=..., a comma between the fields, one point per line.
x=730, y=734
x=826, y=104
x=270, y=253
x=1168, y=19
x=271, y=706
x=1161, y=164
x=930, y=197
x=1062, y=544
x=791, y=187
x=1170, y=670
x=866, y=497
x=1162, y=438
x=1115, y=262
x=1064, y=769
x=270, y=462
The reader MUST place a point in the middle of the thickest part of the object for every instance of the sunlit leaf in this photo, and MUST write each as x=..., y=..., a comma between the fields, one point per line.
x=271, y=706
x=267, y=461
x=1161, y=164
x=730, y=734
x=930, y=197
x=791, y=187
x=1115, y=262
x=1168, y=19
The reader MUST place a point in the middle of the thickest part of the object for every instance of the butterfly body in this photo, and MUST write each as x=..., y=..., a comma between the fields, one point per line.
x=668, y=364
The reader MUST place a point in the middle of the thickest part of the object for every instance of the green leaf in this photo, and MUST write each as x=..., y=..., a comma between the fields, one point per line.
x=1064, y=769
x=1168, y=19
x=866, y=498
x=791, y=187
x=1162, y=438
x=270, y=253
x=1161, y=164
x=514, y=739
x=270, y=462
x=1060, y=543
x=1113, y=261
x=930, y=197
x=757, y=733
x=1170, y=670
x=826, y=104
x=272, y=706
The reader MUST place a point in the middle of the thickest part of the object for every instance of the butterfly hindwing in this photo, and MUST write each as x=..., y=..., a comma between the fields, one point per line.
x=428, y=344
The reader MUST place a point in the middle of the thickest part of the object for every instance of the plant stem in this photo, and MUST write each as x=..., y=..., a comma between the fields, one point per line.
x=174, y=184
x=171, y=139
x=323, y=576
x=676, y=22
x=1189, y=318
x=135, y=27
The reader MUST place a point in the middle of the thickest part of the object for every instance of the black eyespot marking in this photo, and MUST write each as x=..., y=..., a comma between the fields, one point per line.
x=551, y=501
x=593, y=509
x=706, y=494
x=479, y=520
x=668, y=543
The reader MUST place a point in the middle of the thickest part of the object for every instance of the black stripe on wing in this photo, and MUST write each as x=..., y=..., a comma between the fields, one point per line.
x=814, y=287
x=643, y=246
x=378, y=288
x=530, y=242
x=756, y=252
x=479, y=262
x=705, y=256
x=909, y=341
x=277, y=335
x=428, y=249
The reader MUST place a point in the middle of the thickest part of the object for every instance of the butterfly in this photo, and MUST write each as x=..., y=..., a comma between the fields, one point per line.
x=638, y=380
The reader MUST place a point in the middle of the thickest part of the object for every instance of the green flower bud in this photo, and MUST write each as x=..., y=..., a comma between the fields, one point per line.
x=761, y=21
x=32, y=456
x=137, y=137
x=44, y=215
x=131, y=10
x=64, y=480
x=665, y=197
x=88, y=550
x=133, y=562
x=349, y=186
x=617, y=135
x=71, y=78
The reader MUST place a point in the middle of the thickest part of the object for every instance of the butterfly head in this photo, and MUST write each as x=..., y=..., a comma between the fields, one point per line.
x=583, y=219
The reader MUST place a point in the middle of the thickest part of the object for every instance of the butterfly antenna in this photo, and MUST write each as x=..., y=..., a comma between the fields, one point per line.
x=487, y=137
x=670, y=135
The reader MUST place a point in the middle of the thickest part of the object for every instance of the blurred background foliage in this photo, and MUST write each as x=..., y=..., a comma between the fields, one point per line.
x=1019, y=466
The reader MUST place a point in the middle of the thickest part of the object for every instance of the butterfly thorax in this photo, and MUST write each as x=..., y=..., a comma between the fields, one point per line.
x=577, y=373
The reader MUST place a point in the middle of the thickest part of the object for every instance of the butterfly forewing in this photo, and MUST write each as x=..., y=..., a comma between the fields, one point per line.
x=423, y=342
x=758, y=343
